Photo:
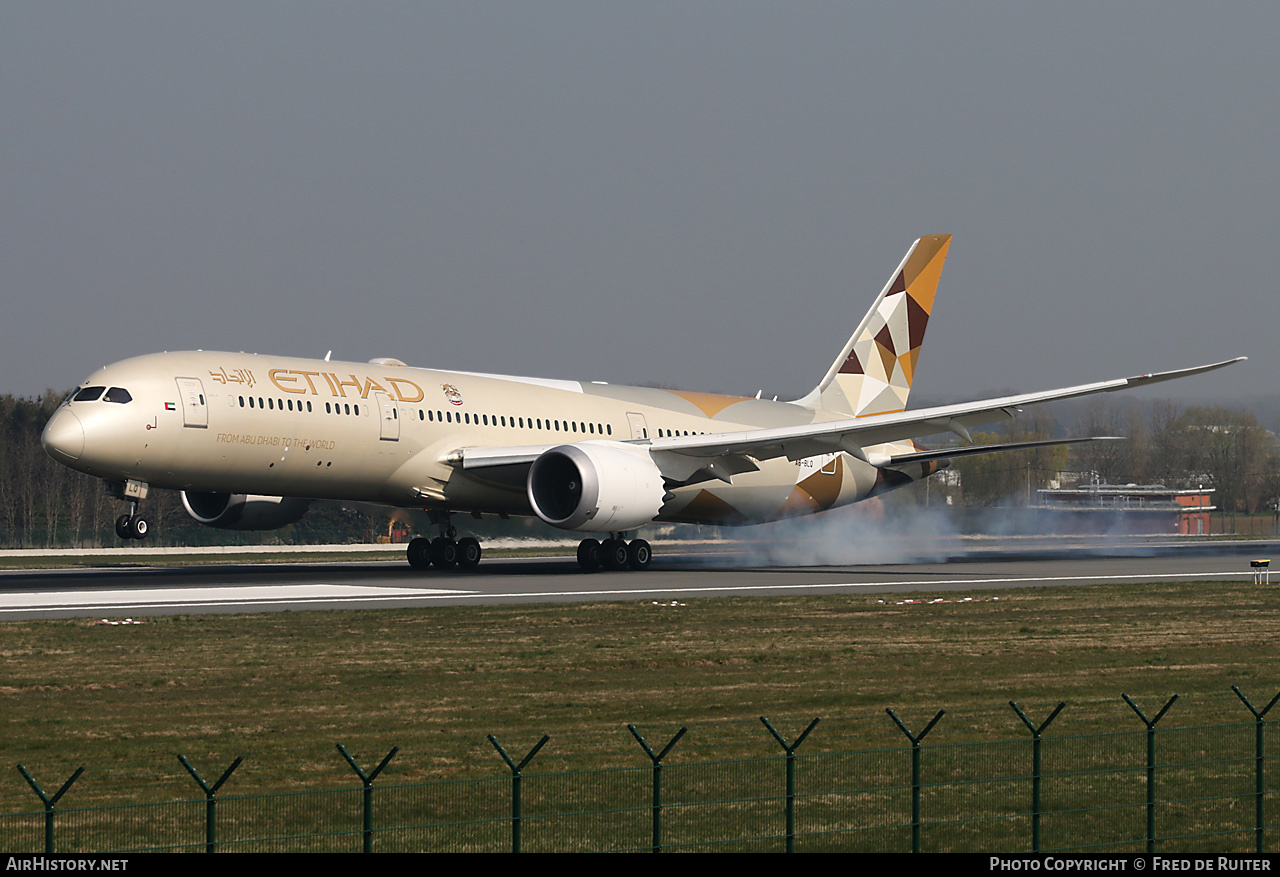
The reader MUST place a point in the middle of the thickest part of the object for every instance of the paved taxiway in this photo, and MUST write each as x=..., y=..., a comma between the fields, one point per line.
x=224, y=588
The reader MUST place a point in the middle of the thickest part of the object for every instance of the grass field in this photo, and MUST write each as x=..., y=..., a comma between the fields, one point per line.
x=281, y=689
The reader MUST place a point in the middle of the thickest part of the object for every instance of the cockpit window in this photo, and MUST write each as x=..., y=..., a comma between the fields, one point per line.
x=118, y=394
x=88, y=394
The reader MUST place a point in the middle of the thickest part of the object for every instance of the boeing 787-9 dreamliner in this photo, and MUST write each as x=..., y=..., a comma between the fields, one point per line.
x=252, y=440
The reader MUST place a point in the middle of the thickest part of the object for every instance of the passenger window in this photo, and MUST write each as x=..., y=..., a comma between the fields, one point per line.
x=88, y=394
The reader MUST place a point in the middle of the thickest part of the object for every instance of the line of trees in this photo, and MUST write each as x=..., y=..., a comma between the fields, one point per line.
x=1199, y=446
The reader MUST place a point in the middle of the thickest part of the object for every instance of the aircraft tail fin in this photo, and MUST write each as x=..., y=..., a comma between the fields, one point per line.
x=873, y=374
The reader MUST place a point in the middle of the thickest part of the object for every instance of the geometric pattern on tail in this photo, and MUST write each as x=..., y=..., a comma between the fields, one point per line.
x=876, y=377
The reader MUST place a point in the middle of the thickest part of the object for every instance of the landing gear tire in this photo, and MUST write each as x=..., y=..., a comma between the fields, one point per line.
x=444, y=553
x=131, y=527
x=589, y=555
x=613, y=554
x=468, y=552
x=639, y=555
x=419, y=552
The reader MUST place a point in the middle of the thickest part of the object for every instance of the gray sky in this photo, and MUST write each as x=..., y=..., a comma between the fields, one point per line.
x=699, y=194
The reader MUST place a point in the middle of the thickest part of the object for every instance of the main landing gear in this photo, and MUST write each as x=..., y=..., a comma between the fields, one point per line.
x=132, y=525
x=445, y=551
x=614, y=553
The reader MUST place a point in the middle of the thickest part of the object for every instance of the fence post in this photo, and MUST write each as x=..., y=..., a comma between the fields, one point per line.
x=657, y=781
x=210, y=800
x=1259, y=721
x=1035, y=768
x=368, y=790
x=1151, y=766
x=791, y=777
x=915, y=772
x=516, y=770
x=49, y=802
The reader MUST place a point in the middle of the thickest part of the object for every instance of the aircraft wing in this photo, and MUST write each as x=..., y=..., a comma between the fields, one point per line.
x=722, y=455
x=855, y=433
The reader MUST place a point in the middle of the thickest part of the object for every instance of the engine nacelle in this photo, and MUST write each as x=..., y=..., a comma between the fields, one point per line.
x=239, y=511
x=602, y=487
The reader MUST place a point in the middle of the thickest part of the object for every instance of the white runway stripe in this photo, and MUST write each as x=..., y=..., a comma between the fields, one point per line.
x=300, y=595
x=891, y=583
x=204, y=596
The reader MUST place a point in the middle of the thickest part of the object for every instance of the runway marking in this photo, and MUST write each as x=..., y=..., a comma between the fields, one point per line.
x=195, y=598
x=828, y=586
x=146, y=597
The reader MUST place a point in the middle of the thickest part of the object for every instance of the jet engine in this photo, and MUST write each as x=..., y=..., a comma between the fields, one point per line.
x=239, y=511
x=602, y=487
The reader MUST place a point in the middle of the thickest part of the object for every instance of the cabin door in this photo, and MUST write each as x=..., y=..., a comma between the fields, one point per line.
x=195, y=413
x=390, y=417
x=639, y=429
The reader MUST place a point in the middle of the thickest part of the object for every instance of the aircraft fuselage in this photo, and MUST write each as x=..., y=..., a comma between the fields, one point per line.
x=383, y=432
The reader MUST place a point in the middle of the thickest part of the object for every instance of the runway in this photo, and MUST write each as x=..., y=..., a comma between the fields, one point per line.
x=203, y=588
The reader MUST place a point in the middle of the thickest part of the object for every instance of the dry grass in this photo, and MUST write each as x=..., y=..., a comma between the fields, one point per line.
x=282, y=688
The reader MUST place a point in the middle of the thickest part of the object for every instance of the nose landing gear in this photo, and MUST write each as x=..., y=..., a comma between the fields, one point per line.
x=132, y=525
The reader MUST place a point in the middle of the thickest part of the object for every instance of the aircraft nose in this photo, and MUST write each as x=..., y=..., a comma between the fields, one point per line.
x=63, y=435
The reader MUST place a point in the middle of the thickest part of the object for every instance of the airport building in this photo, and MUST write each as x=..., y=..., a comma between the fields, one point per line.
x=1126, y=508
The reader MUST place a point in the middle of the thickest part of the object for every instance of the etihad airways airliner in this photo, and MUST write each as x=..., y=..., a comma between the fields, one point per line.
x=252, y=440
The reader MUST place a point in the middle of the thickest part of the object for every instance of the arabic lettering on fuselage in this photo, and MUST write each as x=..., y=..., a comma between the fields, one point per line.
x=234, y=376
